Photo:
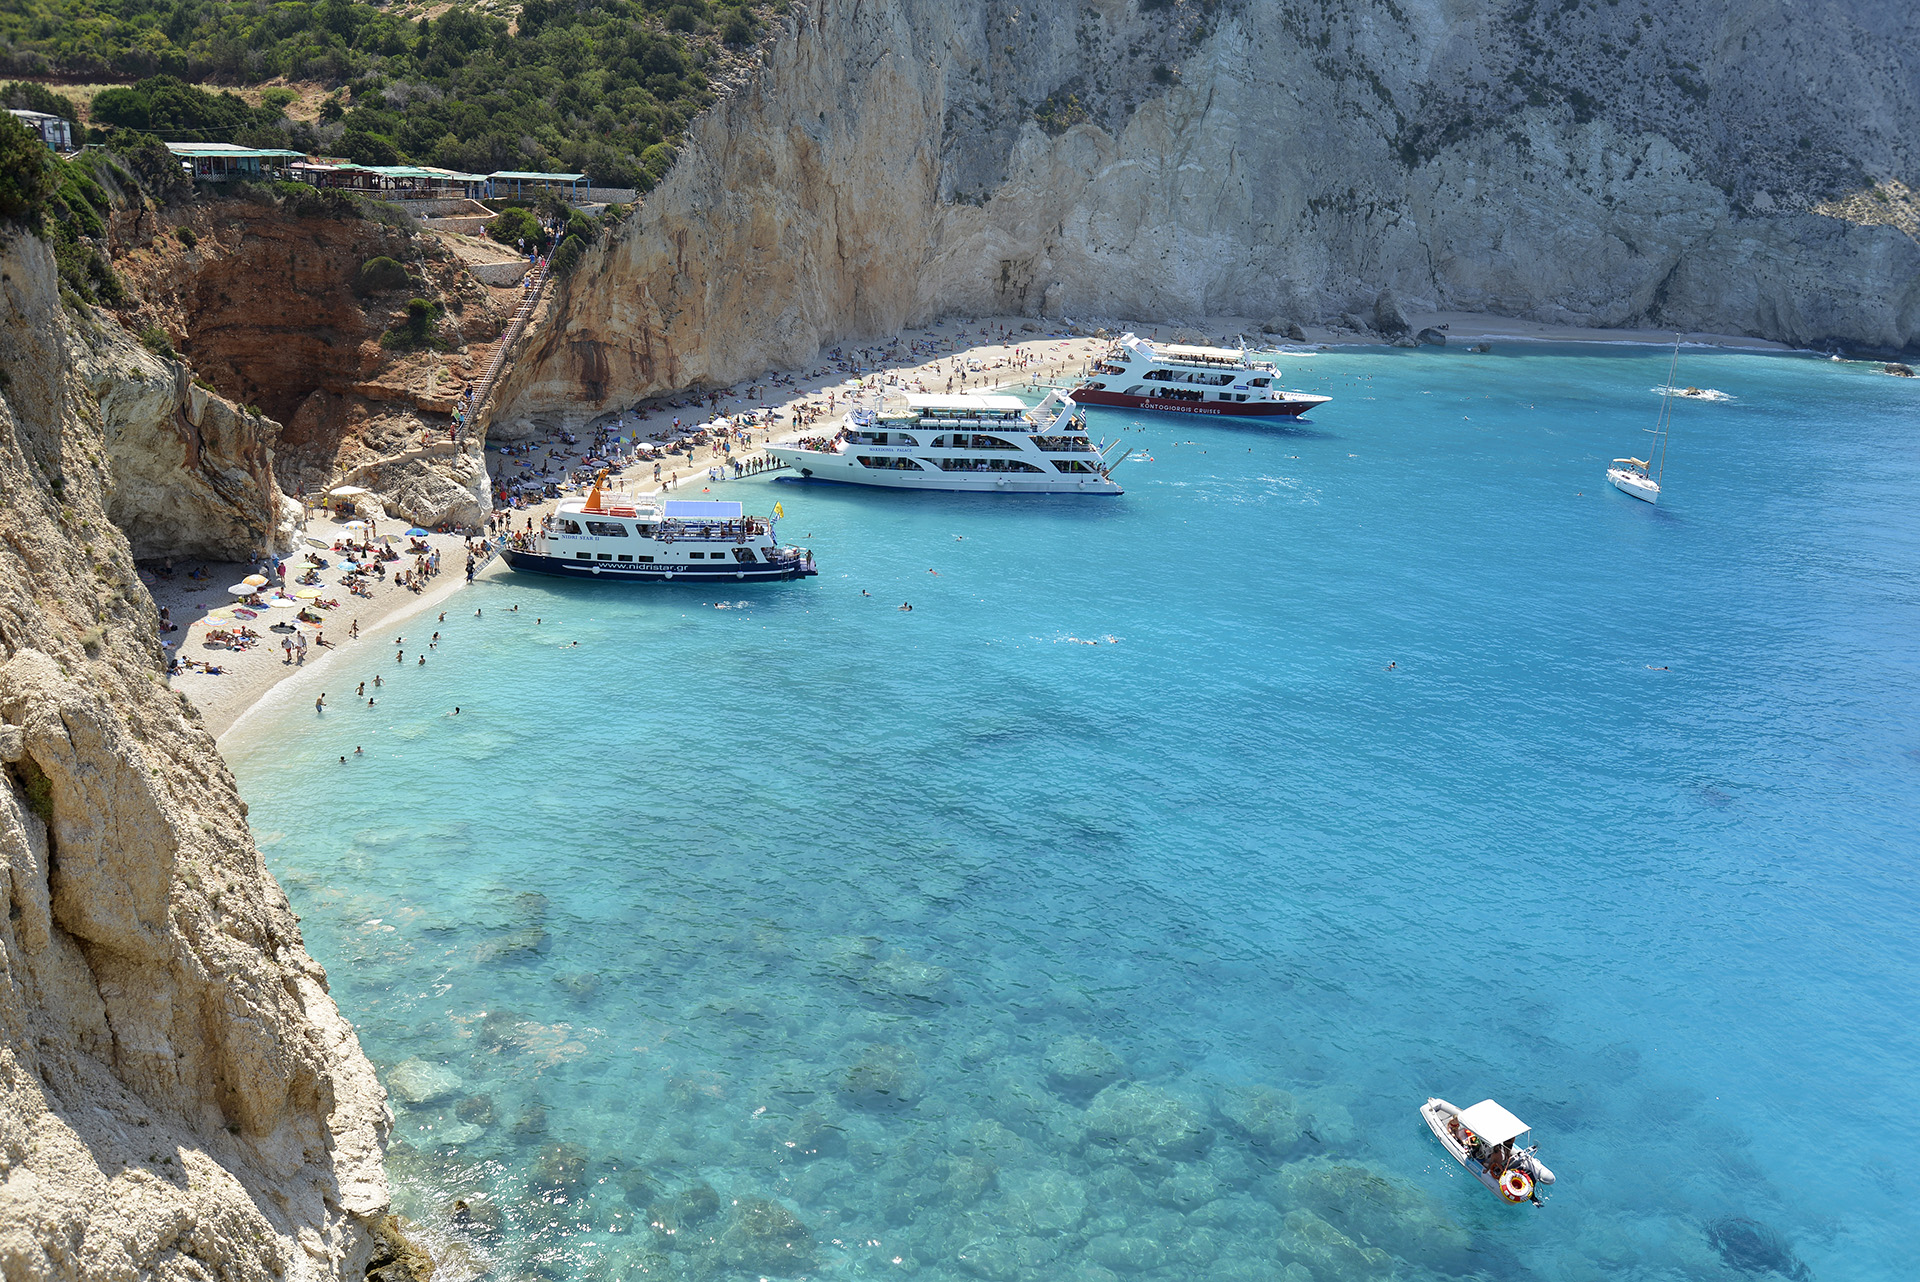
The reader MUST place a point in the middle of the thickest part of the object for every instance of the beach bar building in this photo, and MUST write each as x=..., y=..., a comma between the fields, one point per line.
x=220, y=161
x=55, y=131
x=509, y=184
x=391, y=182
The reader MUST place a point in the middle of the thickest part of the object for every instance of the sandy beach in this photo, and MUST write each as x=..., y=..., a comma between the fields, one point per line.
x=973, y=355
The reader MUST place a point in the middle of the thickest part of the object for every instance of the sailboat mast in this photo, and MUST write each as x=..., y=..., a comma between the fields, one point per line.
x=1666, y=411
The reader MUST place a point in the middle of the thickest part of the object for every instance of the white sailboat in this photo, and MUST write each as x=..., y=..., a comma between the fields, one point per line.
x=1641, y=477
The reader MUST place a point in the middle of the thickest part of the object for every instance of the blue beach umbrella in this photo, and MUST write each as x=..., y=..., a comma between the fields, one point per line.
x=417, y=533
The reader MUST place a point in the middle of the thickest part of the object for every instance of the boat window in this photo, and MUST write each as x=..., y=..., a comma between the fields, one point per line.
x=1098, y=387
x=584, y=556
x=1071, y=465
x=647, y=559
x=888, y=464
x=606, y=556
x=1259, y=382
x=570, y=527
x=607, y=529
x=646, y=531
x=743, y=555
x=1135, y=390
x=623, y=557
x=698, y=556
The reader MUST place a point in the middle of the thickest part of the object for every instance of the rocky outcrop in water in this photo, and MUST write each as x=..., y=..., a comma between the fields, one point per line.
x=179, y=1097
x=1595, y=164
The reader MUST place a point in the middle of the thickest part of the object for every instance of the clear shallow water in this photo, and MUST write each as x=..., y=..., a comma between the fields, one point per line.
x=811, y=931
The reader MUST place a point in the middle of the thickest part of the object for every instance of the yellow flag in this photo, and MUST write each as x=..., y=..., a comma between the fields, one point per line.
x=777, y=511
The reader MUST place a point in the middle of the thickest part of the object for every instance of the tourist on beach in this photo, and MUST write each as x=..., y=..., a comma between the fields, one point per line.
x=320, y=704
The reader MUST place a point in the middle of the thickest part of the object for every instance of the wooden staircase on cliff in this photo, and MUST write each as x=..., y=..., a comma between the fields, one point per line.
x=483, y=390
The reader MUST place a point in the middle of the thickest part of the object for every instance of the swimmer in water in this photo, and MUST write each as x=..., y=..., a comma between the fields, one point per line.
x=905, y=606
x=1392, y=666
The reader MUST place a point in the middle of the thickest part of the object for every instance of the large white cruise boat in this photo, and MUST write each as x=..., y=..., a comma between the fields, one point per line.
x=990, y=444
x=1138, y=375
x=620, y=538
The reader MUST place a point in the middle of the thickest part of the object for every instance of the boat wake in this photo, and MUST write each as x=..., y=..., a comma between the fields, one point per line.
x=1695, y=393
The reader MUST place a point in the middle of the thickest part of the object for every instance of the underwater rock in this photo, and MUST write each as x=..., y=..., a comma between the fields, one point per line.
x=1389, y=1213
x=531, y=1124
x=1080, y=1067
x=904, y=979
x=1148, y=1122
x=1044, y=1202
x=1752, y=1247
x=529, y=907
x=517, y=945
x=811, y=1135
x=1268, y=1117
x=885, y=1077
x=763, y=1236
x=1190, y=1187
x=967, y=1180
x=475, y=1211
x=695, y=1204
x=1329, y=1254
x=580, y=987
x=501, y=1030
x=456, y=1134
x=561, y=1166
x=640, y=1188
x=417, y=1082
x=991, y=1258
x=995, y=1142
x=1126, y=1253
x=476, y=1110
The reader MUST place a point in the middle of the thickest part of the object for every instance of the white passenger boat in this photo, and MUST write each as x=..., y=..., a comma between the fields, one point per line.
x=1490, y=1142
x=620, y=538
x=989, y=444
x=1220, y=381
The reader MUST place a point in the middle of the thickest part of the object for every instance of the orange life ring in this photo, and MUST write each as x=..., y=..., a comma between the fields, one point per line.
x=1516, y=1185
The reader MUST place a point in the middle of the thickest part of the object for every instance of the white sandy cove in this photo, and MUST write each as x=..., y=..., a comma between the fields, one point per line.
x=976, y=355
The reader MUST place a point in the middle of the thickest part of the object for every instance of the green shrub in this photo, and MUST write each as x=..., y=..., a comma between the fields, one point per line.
x=417, y=330
x=184, y=234
x=514, y=225
x=158, y=343
x=379, y=276
x=278, y=98
x=568, y=256
x=26, y=172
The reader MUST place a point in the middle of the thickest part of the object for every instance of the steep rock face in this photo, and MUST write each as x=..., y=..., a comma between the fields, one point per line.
x=190, y=475
x=179, y=1097
x=265, y=306
x=1605, y=164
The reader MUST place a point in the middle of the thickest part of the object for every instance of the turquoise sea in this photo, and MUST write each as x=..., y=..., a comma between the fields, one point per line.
x=1108, y=915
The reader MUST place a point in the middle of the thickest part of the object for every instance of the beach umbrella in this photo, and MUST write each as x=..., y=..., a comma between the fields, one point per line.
x=322, y=544
x=356, y=525
x=243, y=589
x=307, y=594
x=417, y=533
x=283, y=602
x=219, y=616
x=258, y=580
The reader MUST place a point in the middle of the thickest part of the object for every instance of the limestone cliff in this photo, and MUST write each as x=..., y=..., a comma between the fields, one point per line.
x=1602, y=163
x=179, y=1097
x=270, y=303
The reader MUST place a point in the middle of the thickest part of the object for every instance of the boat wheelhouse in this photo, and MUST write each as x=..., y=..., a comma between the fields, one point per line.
x=621, y=538
x=991, y=444
x=1220, y=381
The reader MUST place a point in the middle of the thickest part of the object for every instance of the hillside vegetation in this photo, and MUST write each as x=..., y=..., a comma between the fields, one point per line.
x=601, y=87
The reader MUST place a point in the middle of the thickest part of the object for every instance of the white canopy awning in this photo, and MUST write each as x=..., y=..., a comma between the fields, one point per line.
x=1491, y=1122
x=347, y=491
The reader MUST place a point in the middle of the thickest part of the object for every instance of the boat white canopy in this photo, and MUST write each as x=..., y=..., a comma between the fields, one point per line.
x=702, y=510
x=921, y=401
x=1491, y=1122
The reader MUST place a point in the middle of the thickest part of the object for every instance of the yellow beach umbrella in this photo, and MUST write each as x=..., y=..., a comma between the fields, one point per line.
x=308, y=594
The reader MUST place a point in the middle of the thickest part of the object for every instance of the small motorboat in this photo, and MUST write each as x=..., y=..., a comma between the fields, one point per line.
x=1490, y=1142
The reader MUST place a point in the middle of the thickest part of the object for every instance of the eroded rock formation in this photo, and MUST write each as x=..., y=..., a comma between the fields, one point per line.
x=179, y=1097
x=1602, y=164
x=271, y=304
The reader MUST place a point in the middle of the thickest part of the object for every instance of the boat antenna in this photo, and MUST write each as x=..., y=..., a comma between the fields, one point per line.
x=1666, y=413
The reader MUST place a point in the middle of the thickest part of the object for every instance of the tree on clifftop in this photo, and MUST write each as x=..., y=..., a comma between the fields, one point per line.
x=26, y=178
